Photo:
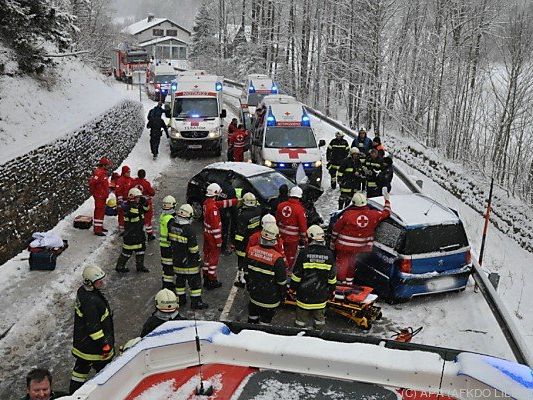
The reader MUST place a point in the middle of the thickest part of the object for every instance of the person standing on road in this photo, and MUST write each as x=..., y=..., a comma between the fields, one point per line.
x=99, y=188
x=134, y=239
x=248, y=223
x=168, y=213
x=148, y=193
x=237, y=143
x=283, y=195
x=94, y=337
x=155, y=124
x=374, y=167
x=292, y=223
x=123, y=185
x=351, y=177
x=213, y=233
x=255, y=238
x=362, y=141
x=353, y=233
x=186, y=257
x=39, y=386
x=313, y=279
x=232, y=127
x=338, y=150
x=166, y=309
x=266, y=277
x=228, y=215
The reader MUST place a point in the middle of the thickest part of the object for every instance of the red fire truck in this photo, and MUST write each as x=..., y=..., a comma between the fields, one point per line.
x=128, y=58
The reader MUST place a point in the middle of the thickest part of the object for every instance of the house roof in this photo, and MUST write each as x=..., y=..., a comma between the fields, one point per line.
x=159, y=40
x=144, y=24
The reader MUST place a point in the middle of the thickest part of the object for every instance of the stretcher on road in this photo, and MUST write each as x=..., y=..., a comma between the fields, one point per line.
x=353, y=302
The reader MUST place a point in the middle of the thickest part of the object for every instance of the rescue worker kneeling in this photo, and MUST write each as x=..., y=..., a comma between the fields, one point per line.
x=166, y=309
x=94, y=337
x=313, y=279
x=266, y=277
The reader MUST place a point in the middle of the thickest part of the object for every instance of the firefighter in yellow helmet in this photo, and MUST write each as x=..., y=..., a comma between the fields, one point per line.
x=168, y=213
x=166, y=309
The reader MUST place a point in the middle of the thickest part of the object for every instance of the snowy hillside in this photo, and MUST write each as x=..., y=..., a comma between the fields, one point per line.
x=35, y=112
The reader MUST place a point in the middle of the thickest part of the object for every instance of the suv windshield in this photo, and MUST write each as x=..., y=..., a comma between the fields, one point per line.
x=268, y=183
x=194, y=107
x=255, y=98
x=437, y=238
x=297, y=136
x=164, y=78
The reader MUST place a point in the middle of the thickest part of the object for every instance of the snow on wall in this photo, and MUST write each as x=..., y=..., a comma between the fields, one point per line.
x=41, y=187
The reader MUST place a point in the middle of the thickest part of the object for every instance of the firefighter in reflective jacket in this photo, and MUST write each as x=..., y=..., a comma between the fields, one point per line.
x=338, y=150
x=186, y=257
x=351, y=176
x=313, y=279
x=374, y=166
x=213, y=233
x=134, y=239
x=237, y=143
x=353, y=233
x=248, y=223
x=148, y=192
x=266, y=277
x=99, y=188
x=123, y=185
x=167, y=214
x=255, y=238
x=292, y=223
x=94, y=338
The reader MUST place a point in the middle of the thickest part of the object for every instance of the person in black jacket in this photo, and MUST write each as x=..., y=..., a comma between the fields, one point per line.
x=351, y=177
x=338, y=150
x=228, y=214
x=248, y=222
x=283, y=196
x=39, y=386
x=156, y=123
x=134, y=237
x=386, y=174
x=373, y=167
x=166, y=309
x=314, y=277
x=94, y=337
x=266, y=277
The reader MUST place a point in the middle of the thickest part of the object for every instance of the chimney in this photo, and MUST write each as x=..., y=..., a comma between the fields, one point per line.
x=150, y=17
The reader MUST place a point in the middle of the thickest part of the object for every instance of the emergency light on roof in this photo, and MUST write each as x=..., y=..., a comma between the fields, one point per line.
x=274, y=88
x=305, y=119
x=251, y=89
x=218, y=86
x=271, y=120
x=174, y=86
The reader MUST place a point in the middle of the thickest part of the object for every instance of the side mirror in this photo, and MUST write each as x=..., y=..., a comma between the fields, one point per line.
x=223, y=114
x=321, y=143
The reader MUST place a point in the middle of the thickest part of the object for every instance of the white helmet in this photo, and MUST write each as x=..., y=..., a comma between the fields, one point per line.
x=359, y=199
x=268, y=219
x=169, y=202
x=186, y=211
x=354, y=150
x=166, y=301
x=249, y=199
x=339, y=134
x=296, y=191
x=134, y=192
x=316, y=233
x=91, y=274
x=270, y=232
x=362, y=129
x=213, y=190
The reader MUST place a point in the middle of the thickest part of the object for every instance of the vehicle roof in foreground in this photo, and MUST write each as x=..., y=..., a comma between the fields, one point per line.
x=251, y=363
x=242, y=168
x=415, y=209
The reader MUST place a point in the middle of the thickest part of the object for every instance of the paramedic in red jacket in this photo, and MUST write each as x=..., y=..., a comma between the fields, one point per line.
x=99, y=188
x=292, y=224
x=123, y=185
x=237, y=143
x=148, y=192
x=213, y=233
x=353, y=233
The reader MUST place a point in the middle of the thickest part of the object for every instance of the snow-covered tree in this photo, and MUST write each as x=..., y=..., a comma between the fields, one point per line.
x=205, y=44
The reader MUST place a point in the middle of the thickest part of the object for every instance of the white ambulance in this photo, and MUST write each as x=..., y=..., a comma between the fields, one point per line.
x=255, y=88
x=159, y=78
x=196, y=115
x=284, y=139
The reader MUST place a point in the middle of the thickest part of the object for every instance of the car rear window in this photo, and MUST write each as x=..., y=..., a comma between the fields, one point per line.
x=436, y=238
x=268, y=184
x=389, y=234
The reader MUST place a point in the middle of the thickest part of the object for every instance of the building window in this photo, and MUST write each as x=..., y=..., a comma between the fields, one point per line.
x=158, y=32
x=172, y=32
x=162, y=52
x=179, y=53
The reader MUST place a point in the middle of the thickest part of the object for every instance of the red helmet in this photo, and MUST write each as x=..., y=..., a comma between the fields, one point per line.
x=104, y=161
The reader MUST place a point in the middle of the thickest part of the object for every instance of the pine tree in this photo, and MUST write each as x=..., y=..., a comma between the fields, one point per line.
x=204, y=40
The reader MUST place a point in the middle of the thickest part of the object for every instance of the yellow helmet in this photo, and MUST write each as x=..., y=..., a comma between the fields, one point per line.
x=315, y=232
x=166, y=301
x=249, y=199
x=359, y=199
x=169, y=202
x=91, y=274
x=186, y=211
x=354, y=150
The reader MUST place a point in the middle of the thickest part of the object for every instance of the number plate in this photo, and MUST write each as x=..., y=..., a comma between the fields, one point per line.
x=194, y=146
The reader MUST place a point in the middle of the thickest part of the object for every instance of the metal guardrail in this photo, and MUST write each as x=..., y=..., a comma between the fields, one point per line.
x=505, y=322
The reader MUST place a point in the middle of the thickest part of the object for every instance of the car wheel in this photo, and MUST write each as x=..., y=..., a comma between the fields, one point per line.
x=198, y=209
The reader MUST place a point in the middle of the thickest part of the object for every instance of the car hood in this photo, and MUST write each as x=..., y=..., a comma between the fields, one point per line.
x=292, y=155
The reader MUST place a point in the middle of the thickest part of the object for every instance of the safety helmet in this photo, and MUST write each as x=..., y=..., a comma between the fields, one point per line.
x=186, y=211
x=134, y=192
x=268, y=219
x=362, y=129
x=315, y=232
x=249, y=199
x=354, y=150
x=296, y=191
x=111, y=202
x=359, y=199
x=166, y=301
x=339, y=134
x=169, y=202
x=213, y=190
x=270, y=232
x=91, y=274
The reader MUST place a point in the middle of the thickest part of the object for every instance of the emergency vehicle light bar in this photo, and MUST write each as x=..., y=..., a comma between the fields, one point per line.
x=305, y=119
x=218, y=86
x=274, y=88
x=251, y=89
x=271, y=120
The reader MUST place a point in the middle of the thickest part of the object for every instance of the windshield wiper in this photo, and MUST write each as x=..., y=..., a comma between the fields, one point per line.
x=450, y=247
